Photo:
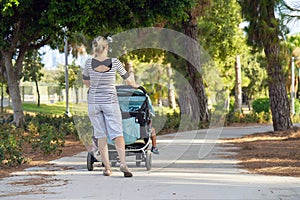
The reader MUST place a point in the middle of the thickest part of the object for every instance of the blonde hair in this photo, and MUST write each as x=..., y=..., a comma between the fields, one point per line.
x=99, y=44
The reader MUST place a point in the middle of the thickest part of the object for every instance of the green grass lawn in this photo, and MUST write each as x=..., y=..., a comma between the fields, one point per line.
x=59, y=108
x=54, y=109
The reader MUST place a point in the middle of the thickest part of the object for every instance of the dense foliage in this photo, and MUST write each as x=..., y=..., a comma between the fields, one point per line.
x=31, y=24
x=11, y=142
x=261, y=105
x=44, y=133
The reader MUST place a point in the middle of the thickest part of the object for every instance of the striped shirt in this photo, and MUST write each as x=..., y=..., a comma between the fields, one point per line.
x=102, y=84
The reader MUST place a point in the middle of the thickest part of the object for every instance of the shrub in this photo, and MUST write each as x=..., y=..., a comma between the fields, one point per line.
x=11, y=142
x=173, y=121
x=44, y=132
x=67, y=126
x=45, y=138
x=250, y=118
x=232, y=116
x=264, y=117
x=261, y=105
x=169, y=122
x=61, y=123
x=297, y=107
x=47, y=132
x=260, y=113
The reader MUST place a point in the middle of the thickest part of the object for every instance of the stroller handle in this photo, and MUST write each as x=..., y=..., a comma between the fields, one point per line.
x=143, y=89
x=130, y=87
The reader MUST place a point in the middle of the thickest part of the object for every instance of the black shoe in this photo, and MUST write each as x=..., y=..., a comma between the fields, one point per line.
x=125, y=170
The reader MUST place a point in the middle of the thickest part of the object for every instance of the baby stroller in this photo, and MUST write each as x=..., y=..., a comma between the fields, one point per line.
x=136, y=112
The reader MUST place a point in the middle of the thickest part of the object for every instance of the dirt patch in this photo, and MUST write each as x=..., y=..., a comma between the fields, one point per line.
x=269, y=153
x=42, y=179
x=37, y=185
x=71, y=147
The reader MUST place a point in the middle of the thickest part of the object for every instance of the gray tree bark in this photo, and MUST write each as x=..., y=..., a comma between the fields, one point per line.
x=13, y=82
x=171, y=90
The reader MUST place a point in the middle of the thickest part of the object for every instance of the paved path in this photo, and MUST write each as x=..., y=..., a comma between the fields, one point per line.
x=177, y=173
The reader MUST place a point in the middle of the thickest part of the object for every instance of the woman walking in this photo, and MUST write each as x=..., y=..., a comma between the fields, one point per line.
x=103, y=106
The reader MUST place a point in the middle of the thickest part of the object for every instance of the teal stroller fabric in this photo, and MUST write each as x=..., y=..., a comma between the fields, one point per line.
x=131, y=103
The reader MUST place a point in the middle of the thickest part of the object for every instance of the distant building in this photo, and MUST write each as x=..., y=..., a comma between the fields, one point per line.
x=51, y=58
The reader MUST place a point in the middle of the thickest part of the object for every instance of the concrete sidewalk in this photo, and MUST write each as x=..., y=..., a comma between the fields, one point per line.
x=177, y=173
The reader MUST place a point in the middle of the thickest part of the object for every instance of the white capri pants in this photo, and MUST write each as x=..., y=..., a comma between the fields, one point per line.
x=106, y=119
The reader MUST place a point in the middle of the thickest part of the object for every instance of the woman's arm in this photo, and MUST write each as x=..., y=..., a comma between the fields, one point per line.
x=130, y=81
x=86, y=82
x=86, y=75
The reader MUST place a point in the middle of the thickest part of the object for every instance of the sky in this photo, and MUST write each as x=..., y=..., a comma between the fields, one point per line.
x=294, y=26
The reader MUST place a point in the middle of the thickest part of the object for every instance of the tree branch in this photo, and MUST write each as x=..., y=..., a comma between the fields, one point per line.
x=40, y=43
x=290, y=7
x=15, y=36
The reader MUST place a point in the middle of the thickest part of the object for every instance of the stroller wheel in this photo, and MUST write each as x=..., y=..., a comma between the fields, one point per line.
x=138, y=160
x=90, y=161
x=148, y=160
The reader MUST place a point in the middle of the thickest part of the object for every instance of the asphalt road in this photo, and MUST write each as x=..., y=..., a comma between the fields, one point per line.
x=190, y=166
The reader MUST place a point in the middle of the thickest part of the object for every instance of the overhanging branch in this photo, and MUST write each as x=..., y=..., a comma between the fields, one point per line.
x=292, y=7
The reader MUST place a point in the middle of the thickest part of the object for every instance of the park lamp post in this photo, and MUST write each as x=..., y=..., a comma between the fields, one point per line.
x=66, y=71
x=293, y=84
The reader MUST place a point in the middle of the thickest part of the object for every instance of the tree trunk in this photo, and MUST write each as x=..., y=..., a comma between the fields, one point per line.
x=38, y=92
x=77, y=95
x=184, y=100
x=238, y=85
x=195, y=78
x=2, y=93
x=16, y=103
x=171, y=92
x=158, y=88
x=279, y=102
x=2, y=70
x=13, y=83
